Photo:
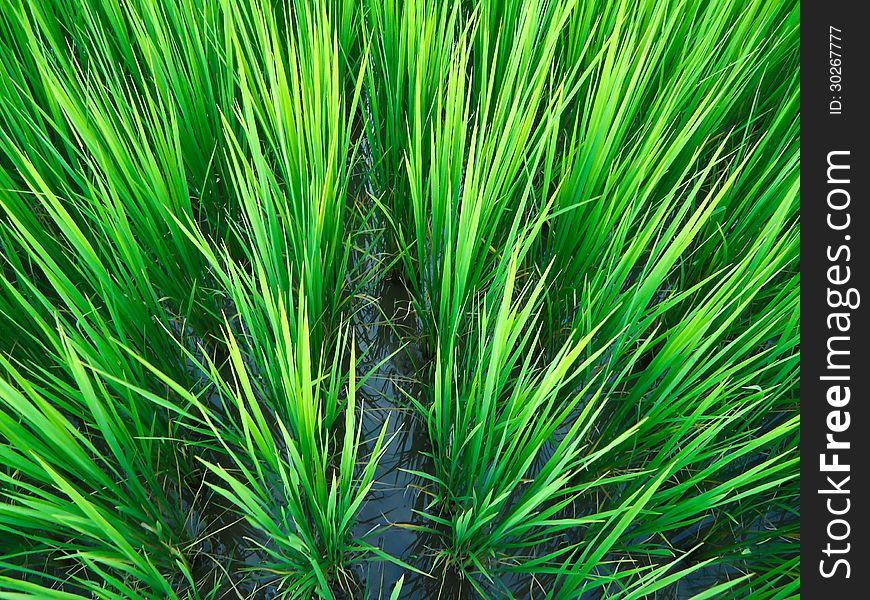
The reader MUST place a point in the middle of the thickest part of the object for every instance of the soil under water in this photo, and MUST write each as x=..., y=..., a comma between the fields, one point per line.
x=387, y=332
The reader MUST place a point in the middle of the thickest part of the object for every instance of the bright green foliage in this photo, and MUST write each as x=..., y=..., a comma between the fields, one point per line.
x=594, y=208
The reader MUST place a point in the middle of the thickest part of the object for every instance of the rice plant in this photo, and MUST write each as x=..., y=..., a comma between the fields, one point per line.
x=590, y=209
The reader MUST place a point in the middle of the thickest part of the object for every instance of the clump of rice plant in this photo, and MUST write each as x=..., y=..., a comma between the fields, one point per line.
x=593, y=207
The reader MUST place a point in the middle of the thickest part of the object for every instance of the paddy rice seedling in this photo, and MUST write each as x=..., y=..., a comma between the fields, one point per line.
x=588, y=212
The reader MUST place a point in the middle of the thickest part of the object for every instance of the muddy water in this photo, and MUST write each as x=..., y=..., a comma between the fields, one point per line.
x=386, y=327
x=388, y=331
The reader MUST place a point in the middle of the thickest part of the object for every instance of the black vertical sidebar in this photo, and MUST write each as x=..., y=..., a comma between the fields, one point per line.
x=835, y=300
